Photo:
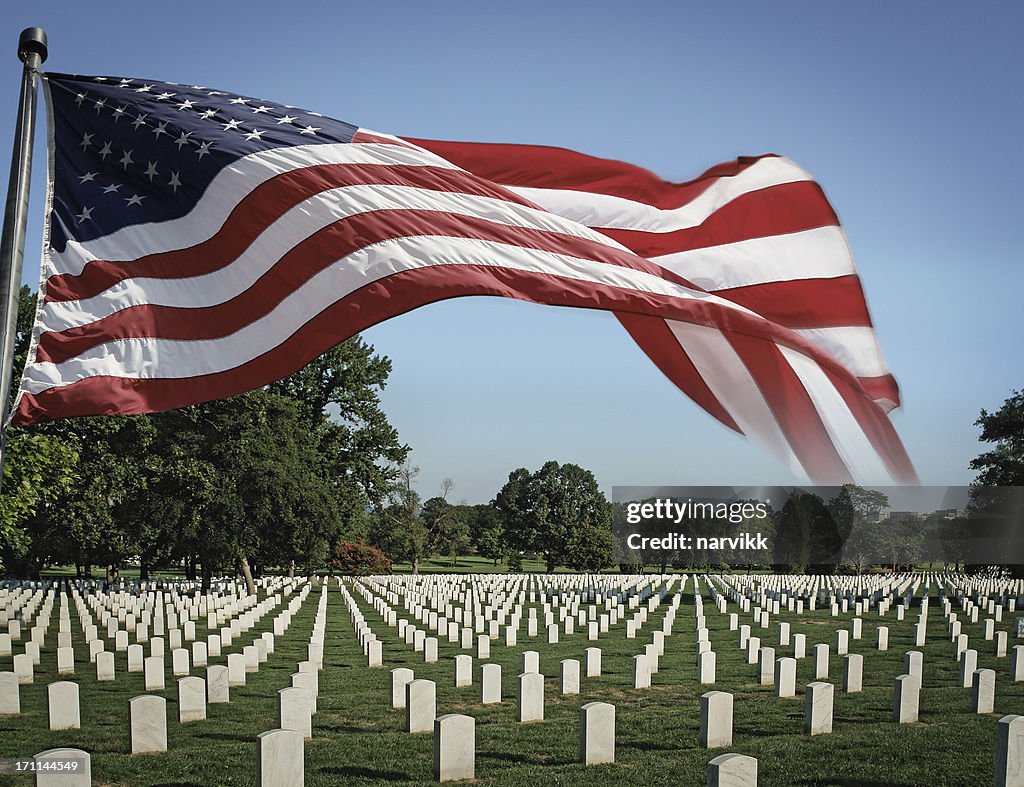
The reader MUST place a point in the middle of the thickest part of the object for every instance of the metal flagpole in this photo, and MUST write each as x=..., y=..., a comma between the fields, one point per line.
x=32, y=52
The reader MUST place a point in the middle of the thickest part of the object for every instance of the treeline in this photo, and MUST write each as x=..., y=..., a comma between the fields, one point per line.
x=557, y=513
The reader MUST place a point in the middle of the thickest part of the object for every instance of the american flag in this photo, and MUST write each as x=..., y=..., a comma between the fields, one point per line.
x=201, y=243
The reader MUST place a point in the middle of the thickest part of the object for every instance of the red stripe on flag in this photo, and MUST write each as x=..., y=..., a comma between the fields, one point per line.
x=657, y=340
x=776, y=210
x=557, y=168
x=362, y=136
x=883, y=387
x=806, y=303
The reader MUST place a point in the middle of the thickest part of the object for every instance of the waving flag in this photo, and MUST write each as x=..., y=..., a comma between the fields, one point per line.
x=201, y=243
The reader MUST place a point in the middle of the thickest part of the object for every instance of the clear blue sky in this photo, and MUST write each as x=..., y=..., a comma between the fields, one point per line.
x=909, y=114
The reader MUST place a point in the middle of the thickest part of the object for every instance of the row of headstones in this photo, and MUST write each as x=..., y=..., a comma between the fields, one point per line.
x=843, y=637
x=824, y=590
x=232, y=620
x=465, y=635
x=29, y=615
x=588, y=595
x=429, y=609
x=153, y=666
x=415, y=600
x=128, y=609
x=570, y=672
x=297, y=703
x=420, y=642
x=65, y=653
x=448, y=620
x=764, y=657
x=418, y=697
x=785, y=669
x=215, y=689
x=280, y=752
x=64, y=710
x=22, y=608
x=546, y=584
x=1007, y=594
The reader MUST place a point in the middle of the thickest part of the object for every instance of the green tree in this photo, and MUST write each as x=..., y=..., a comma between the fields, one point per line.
x=801, y=518
x=1004, y=464
x=491, y=544
x=446, y=524
x=340, y=393
x=400, y=531
x=855, y=511
x=900, y=540
x=273, y=477
x=257, y=491
x=996, y=505
x=542, y=511
x=38, y=468
x=589, y=548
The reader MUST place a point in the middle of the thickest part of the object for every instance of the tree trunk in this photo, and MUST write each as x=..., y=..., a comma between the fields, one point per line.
x=291, y=569
x=551, y=565
x=190, y=568
x=207, y=578
x=143, y=569
x=416, y=565
x=250, y=586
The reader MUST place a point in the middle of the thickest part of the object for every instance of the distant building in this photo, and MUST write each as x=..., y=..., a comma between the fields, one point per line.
x=944, y=513
x=900, y=515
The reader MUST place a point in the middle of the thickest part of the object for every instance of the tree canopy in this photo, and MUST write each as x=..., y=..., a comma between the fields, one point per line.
x=1003, y=465
x=559, y=512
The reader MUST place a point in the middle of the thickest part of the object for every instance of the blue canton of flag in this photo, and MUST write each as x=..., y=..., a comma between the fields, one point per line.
x=131, y=150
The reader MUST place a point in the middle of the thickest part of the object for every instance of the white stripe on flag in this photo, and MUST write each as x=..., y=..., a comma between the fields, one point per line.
x=819, y=253
x=855, y=347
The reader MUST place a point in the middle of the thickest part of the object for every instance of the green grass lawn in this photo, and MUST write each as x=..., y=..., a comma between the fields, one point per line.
x=359, y=738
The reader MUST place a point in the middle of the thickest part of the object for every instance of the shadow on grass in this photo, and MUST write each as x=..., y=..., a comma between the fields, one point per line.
x=522, y=758
x=850, y=783
x=178, y=784
x=366, y=773
x=645, y=746
x=225, y=736
x=754, y=732
x=346, y=728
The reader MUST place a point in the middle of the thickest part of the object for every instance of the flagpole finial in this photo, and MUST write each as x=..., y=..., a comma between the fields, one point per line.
x=32, y=42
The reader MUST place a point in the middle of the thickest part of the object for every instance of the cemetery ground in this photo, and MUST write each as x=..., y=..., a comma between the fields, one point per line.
x=358, y=738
